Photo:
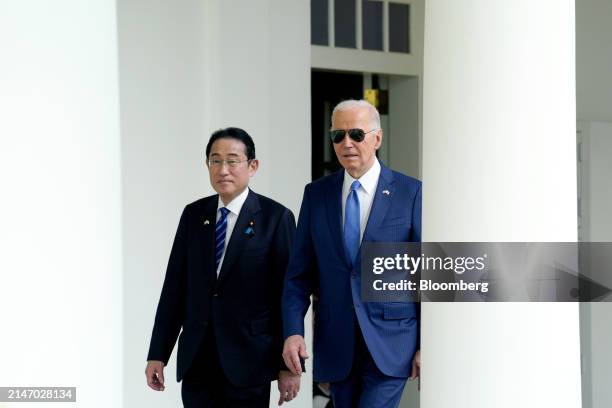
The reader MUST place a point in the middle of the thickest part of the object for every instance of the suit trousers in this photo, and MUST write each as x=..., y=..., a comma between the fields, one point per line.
x=366, y=386
x=206, y=386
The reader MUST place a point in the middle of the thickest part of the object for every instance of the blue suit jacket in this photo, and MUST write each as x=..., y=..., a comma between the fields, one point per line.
x=318, y=265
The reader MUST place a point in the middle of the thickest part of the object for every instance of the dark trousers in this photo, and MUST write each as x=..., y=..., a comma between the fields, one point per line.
x=366, y=386
x=206, y=386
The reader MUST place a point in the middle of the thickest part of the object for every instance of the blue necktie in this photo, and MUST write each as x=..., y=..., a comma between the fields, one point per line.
x=220, y=229
x=351, y=223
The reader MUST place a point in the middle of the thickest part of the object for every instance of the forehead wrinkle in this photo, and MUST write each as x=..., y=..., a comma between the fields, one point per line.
x=227, y=154
x=357, y=117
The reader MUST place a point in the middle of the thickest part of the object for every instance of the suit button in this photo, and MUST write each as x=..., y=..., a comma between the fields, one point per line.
x=215, y=294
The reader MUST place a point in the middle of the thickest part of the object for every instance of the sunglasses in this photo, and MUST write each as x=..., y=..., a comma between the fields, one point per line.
x=337, y=135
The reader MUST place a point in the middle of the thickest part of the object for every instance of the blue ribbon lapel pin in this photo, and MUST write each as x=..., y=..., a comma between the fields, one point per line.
x=250, y=231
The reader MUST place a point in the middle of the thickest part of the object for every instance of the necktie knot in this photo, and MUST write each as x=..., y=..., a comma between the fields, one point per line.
x=355, y=186
x=224, y=212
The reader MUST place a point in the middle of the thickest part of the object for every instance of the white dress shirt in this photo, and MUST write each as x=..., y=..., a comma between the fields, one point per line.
x=234, y=208
x=369, y=182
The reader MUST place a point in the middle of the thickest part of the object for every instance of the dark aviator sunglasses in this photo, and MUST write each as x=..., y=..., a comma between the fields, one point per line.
x=337, y=135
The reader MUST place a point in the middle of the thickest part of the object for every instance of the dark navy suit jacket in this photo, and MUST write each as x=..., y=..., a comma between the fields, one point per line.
x=319, y=265
x=242, y=304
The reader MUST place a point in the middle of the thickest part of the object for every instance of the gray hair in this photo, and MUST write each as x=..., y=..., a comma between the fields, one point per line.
x=350, y=104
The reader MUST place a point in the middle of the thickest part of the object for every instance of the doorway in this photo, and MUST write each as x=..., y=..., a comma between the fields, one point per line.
x=399, y=117
x=328, y=89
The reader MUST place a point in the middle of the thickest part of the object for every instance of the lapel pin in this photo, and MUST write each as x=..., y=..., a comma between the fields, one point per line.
x=205, y=222
x=386, y=192
x=250, y=231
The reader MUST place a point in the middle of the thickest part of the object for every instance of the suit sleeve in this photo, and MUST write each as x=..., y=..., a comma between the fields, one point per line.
x=170, y=309
x=283, y=240
x=298, y=279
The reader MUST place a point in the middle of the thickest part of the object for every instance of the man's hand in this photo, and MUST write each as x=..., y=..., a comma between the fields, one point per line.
x=155, y=374
x=288, y=386
x=295, y=347
x=416, y=368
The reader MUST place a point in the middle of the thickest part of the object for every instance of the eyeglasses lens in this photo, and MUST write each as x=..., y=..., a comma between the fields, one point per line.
x=357, y=135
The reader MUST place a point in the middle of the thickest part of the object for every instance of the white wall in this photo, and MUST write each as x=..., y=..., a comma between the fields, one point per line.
x=499, y=164
x=262, y=83
x=596, y=163
x=60, y=295
x=188, y=68
x=404, y=118
x=162, y=57
x=596, y=191
x=594, y=109
x=593, y=60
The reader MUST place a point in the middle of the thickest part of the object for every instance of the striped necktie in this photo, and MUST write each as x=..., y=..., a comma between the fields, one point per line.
x=220, y=229
x=352, y=229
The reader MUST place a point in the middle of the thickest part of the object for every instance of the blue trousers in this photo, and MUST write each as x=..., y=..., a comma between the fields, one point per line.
x=366, y=386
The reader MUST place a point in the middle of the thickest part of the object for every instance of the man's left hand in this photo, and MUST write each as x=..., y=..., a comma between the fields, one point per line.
x=288, y=386
x=416, y=368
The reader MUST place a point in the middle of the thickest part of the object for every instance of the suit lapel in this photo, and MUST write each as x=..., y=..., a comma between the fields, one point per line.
x=382, y=200
x=333, y=203
x=239, y=238
x=206, y=236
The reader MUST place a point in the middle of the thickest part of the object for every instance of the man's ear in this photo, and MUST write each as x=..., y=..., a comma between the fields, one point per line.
x=253, y=166
x=379, y=135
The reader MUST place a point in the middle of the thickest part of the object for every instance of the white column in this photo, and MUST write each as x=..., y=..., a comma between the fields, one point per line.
x=190, y=67
x=499, y=164
x=164, y=72
x=60, y=290
x=262, y=84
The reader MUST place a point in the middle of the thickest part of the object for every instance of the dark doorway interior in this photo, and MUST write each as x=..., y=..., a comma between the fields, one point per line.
x=328, y=89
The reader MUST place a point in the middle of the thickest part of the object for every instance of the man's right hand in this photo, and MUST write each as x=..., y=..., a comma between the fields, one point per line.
x=155, y=374
x=295, y=347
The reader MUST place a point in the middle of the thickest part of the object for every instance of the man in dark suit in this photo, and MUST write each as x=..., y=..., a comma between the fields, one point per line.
x=223, y=287
x=366, y=350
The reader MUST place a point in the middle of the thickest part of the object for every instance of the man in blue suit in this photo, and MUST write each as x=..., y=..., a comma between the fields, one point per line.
x=365, y=350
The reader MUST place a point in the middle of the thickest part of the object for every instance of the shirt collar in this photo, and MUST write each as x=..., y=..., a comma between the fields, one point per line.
x=368, y=181
x=236, y=204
